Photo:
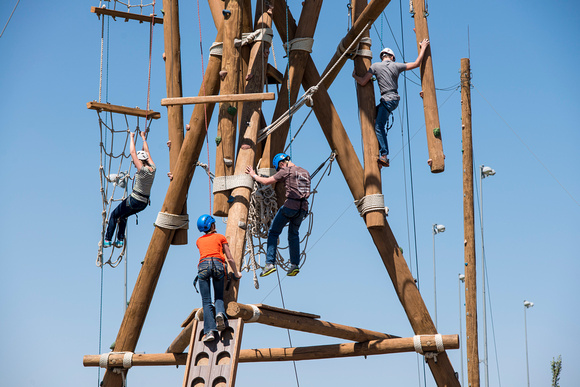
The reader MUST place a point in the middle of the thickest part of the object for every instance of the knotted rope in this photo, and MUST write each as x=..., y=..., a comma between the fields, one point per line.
x=260, y=35
x=370, y=203
x=428, y=355
x=353, y=53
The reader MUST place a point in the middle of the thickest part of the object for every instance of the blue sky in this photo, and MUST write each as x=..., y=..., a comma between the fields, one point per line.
x=524, y=104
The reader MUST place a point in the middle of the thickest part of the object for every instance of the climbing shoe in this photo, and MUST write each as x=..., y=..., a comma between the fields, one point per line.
x=220, y=322
x=107, y=244
x=294, y=269
x=118, y=244
x=268, y=269
x=208, y=337
x=384, y=161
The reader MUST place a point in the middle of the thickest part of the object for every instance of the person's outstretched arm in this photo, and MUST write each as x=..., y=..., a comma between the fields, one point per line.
x=424, y=43
x=146, y=147
x=258, y=178
x=136, y=161
x=230, y=261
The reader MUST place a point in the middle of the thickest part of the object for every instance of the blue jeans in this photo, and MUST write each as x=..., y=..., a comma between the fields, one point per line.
x=211, y=269
x=384, y=110
x=283, y=217
x=126, y=208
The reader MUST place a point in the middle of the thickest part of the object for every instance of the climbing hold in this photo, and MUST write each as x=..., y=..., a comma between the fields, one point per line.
x=218, y=139
x=187, y=127
x=401, y=249
x=231, y=199
x=437, y=132
x=430, y=162
x=228, y=162
x=227, y=13
x=232, y=110
x=223, y=74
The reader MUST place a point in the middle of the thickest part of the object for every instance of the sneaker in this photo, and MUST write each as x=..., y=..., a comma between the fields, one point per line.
x=208, y=337
x=383, y=161
x=268, y=269
x=107, y=244
x=220, y=322
x=118, y=244
x=294, y=269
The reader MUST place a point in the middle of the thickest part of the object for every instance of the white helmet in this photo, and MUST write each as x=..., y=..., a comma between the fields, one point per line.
x=142, y=155
x=386, y=50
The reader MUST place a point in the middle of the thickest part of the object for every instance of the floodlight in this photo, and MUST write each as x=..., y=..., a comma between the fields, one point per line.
x=528, y=304
x=487, y=171
x=437, y=228
x=462, y=277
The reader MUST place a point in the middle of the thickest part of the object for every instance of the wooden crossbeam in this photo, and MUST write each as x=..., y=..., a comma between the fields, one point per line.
x=218, y=99
x=274, y=76
x=107, y=107
x=126, y=15
x=373, y=347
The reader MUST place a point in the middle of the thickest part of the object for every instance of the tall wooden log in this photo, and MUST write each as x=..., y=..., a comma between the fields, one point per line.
x=472, y=348
x=136, y=312
x=367, y=112
x=251, y=117
x=436, y=156
x=373, y=347
x=172, y=43
x=227, y=119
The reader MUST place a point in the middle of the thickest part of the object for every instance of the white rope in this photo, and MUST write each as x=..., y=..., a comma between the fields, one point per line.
x=267, y=172
x=260, y=35
x=225, y=183
x=370, y=203
x=172, y=221
x=127, y=359
x=301, y=44
x=353, y=53
x=428, y=355
x=256, y=314
x=216, y=49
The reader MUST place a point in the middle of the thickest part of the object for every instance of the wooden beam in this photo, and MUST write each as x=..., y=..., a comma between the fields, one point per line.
x=107, y=107
x=367, y=112
x=367, y=348
x=433, y=128
x=472, y=348
x=218, y=99
x=127, y=15
x=175, y=127
x=275, y=77
x=291, y=320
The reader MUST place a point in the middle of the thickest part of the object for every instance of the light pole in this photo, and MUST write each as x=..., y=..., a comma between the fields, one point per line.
x=437, y=228
x=483, y=173
x=461, y=280
x=527, y=304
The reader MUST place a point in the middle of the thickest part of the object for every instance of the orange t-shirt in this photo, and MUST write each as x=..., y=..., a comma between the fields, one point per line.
x=211, y=245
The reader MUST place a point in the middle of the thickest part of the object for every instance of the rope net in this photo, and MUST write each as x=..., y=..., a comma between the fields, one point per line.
x=126, y=6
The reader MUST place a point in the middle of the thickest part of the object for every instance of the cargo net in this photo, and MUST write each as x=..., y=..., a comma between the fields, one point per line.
x=129, y=6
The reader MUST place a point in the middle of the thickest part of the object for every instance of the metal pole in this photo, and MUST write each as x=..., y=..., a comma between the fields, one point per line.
x=434, y=276
x=461, y=279
x=486, y=371
x=527, y=304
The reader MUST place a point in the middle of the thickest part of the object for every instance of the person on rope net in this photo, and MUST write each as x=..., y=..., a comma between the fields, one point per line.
x=139, y=198
x=297, y=183
x=387, y=73
x=213, y=251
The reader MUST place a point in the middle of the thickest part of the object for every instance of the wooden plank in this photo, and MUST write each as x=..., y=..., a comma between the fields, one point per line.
x=126, y=15
x=275, y=77
x=287, y=311
x=107, y=107
x=218, y=99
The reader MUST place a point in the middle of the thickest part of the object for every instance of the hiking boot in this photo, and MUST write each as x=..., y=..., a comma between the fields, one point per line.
x=107, y=244
x=268, y=269
x=294, y=269
x=208, y=337
x=383, y=161
x=118, y=244
x=220, y=322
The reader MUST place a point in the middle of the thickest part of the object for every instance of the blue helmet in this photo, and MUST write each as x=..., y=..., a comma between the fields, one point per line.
x=204, y=222
x=280, y=157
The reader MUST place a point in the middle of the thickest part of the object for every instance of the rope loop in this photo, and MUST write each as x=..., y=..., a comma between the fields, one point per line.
x=172, y=221
x=428, y=355
x=370, y=203
x=301, y=44
x=216, y=49
x=260, y=35
x=226, y=183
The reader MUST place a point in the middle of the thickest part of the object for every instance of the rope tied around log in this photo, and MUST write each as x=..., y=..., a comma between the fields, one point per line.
x=127, y=360
x=354, y=52
x=259, y=35
x=300, y=44
x=428, y=355
x=370, y=203
x=216, y=49
x=226, y=183
x=172, y=221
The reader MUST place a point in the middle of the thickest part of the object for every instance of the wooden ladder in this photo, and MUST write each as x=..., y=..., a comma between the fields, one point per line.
x=213, y=363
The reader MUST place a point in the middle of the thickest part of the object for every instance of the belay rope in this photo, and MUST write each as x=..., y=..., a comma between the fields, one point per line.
x=263, y=209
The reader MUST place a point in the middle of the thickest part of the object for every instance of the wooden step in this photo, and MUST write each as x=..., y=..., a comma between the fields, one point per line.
x=107, y=107
x=126, y=15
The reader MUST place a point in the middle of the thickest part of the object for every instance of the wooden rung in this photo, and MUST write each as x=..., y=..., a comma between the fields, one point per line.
x=123, y=110
x=218, y=99
x=274, y=76
x=126, y=15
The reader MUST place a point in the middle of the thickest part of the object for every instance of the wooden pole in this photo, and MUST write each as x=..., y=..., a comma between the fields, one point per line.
x=226, y=131
x=172, y=56
x=144, y=289
x=304, y=324
x=373, y=347
x=367, y=112
x=469, y=229
x=436, y=156
x=251, y=116
x=218, y=98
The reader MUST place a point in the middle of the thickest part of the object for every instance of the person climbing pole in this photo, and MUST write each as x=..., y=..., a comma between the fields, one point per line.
x=387, y=73
x=295, y=208
x=213, y=253
x=139, y=198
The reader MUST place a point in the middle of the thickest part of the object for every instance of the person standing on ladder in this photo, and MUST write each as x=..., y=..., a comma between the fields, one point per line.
x=139, y=198
x=297, y=183
x=211, y=268
x=387, y=73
